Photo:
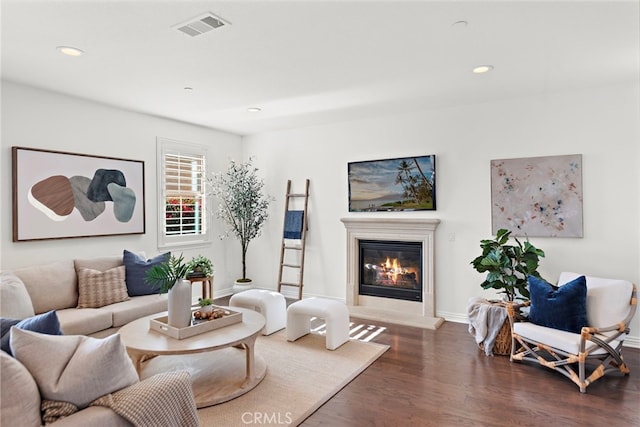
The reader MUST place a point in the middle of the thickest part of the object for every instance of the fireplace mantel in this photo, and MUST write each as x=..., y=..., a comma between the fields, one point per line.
x=395, y=311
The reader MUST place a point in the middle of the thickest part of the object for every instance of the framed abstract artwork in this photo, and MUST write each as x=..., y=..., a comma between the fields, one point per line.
x=401, y=184
x=537, y=196
x=58, y=195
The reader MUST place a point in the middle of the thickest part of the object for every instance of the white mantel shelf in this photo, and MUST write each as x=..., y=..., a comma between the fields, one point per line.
x=420, y=314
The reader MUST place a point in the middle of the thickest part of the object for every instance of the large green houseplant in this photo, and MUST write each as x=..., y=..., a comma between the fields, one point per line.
x=243, y=205
x=508, y=266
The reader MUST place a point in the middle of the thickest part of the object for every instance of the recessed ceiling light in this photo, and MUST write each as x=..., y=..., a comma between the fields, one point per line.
x=481, y=69
x=254, y=109
x=70, y=51
x=188, y=89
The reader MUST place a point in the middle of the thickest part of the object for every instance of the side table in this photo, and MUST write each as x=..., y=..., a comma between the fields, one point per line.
x=205, y=281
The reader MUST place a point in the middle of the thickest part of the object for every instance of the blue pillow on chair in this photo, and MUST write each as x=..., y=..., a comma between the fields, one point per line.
x=45, y=323
x=136, y=272
x=563, y=307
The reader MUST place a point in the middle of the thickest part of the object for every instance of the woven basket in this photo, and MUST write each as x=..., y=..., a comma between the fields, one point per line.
x=502, y=346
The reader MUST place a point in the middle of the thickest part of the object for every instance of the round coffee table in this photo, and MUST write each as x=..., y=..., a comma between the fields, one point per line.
x=218, y=371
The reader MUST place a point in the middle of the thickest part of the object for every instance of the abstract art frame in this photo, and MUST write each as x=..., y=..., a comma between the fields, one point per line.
x=60, y=195
x=390, y=185
x=537, y=196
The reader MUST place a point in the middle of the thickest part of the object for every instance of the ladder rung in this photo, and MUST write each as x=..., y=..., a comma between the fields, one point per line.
x=298, y=248
x=291, y=265
x=297, y=285
x=296, y=195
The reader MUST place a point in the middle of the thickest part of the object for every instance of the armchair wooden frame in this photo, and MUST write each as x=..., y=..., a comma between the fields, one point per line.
x=600, y=348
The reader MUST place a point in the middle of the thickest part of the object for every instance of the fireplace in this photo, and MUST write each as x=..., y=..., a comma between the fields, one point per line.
x=391, y=269
x=419, y=312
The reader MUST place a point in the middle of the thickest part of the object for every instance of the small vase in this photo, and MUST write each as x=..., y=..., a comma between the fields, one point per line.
x=206, y=309
x=180, y=304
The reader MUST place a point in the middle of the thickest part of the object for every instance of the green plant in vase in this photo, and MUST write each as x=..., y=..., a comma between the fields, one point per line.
x=508, y=266
x=166, y=274
x=200, y=266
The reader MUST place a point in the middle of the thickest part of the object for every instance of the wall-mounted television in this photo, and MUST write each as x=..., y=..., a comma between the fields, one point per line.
x=400, y=184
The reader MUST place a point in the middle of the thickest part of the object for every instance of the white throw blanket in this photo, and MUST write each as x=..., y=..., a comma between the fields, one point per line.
x=485, y=321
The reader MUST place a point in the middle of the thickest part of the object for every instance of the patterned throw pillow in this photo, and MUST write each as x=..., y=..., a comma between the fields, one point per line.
x=99, y=288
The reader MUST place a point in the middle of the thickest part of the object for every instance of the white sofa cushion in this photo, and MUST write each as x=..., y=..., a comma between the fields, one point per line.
x=87, y=321
x=15, y=302
x=74, y=368
x=136, y=307
x=607, y=299
x=51, y=286
x=20, y=395
x=99, y=263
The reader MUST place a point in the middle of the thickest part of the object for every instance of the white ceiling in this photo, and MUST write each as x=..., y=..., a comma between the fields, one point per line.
x=313, y=62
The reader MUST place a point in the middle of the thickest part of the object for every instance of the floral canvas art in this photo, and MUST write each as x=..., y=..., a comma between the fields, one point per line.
x=537, y=196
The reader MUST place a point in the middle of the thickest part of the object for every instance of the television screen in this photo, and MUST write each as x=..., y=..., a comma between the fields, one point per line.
x=402, y=184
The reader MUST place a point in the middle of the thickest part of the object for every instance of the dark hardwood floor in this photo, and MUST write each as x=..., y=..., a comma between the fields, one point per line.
x=440, y=378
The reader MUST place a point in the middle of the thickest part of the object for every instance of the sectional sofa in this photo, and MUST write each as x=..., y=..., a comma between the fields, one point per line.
x=55, y=286
x=90, y=298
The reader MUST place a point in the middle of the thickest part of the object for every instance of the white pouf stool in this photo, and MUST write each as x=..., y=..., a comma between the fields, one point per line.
x=269, y=303
x=335, y=314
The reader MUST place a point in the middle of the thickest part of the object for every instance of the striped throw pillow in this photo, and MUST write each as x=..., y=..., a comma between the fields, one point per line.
x=99, y=288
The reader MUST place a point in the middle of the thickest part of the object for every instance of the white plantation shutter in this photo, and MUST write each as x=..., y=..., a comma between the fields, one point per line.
x=182, y=215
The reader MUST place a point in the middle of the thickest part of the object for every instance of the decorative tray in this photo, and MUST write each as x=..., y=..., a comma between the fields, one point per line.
x=198, y=326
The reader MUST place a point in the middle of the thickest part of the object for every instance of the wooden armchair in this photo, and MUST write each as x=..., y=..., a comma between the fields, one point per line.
x=597, y=350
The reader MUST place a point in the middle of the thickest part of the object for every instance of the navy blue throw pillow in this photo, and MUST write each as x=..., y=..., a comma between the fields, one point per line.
x=45, y=323
x=136, y=272
x=563, y=307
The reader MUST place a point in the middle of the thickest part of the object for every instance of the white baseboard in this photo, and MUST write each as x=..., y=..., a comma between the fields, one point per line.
x=630, y=341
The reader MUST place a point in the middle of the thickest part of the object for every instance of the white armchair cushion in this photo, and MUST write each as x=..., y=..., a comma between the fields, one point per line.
x=562, y=340
x=607, y=299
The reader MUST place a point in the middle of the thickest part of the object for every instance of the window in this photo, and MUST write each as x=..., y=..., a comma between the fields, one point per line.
x=182, y=210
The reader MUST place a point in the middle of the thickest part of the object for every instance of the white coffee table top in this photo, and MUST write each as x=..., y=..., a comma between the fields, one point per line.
x=137, y=336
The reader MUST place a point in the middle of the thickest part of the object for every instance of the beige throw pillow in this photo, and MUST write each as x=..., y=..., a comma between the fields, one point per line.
x=74, y=368
x=99, y=288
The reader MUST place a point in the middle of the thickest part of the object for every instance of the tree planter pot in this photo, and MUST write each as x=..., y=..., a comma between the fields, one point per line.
x=180, y=304
x=240, y=286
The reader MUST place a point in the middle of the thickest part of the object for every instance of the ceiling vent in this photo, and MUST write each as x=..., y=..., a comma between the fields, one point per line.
x=201, y=24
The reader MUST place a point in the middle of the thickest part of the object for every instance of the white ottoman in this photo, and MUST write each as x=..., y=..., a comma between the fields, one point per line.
x=269, y=303
x=335, y=314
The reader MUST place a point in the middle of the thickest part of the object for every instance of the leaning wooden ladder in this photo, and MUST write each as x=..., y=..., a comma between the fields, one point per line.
x=299, y=232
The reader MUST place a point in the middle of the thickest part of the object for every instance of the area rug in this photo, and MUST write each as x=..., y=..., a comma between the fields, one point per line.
x=301, y=377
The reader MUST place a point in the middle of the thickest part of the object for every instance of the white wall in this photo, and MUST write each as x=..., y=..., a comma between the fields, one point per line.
x=40, y=119
x=601, y=124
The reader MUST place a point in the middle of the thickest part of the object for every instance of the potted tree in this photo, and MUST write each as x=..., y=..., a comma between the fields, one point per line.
x=508, y=266
x=243, y=207
x=170, y=276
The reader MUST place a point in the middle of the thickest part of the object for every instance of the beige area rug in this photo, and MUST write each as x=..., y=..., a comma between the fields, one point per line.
x=301, y=376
